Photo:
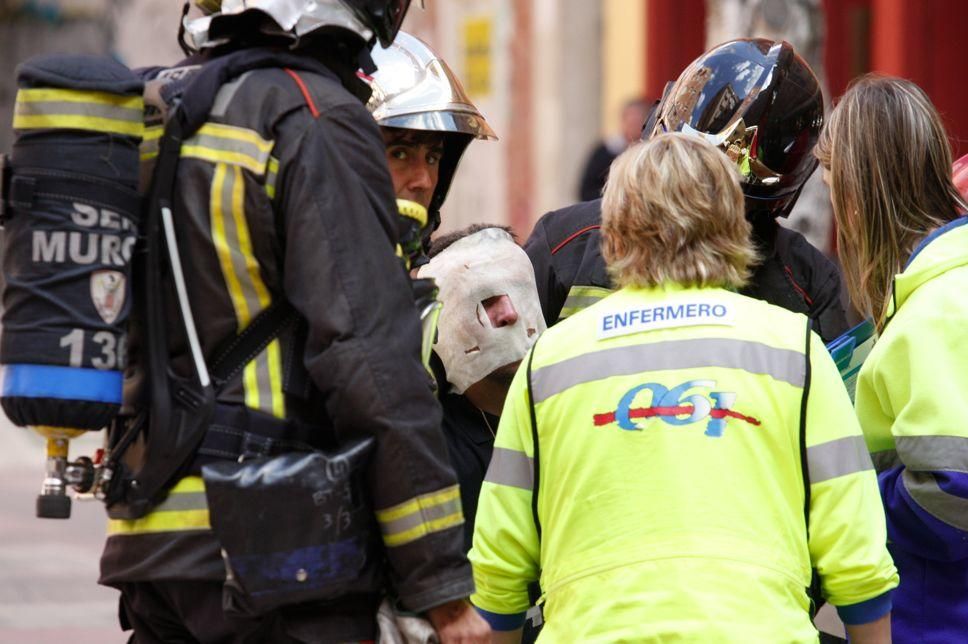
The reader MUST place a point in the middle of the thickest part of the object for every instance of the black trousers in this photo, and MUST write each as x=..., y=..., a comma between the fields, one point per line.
x=190, y=612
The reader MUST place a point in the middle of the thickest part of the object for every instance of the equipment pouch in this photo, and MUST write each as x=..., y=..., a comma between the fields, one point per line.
x=294, y=528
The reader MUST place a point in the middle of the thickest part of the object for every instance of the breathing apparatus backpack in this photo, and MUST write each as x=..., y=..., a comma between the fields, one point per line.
x=71, y=211
x=82, y=251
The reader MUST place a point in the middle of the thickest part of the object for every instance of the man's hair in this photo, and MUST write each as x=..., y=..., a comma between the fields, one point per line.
x=890, y=177
x=440, y=243
x=673, y=213
x=406, y=136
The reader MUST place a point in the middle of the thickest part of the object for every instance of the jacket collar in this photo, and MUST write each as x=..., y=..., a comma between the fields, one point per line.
x=944, y=249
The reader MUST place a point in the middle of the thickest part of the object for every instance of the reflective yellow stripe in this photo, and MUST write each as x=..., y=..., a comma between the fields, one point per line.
x=161, y=522
x=262, y=376
x=50, y=94
x=218, y=143
x=272, y=173
x=417, y=503
x=76, y=122
x=47, y=108
x=234, y=133
x=580, y=298
x=275, y=379
x=402, y=538
x=185, y=508
x=420, y=516
x=222, y=248
x=150, y=142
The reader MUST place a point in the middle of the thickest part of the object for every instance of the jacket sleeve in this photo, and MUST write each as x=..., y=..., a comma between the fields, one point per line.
x=551, y=292
x=506, y=552
x=915, y=397
x=362, y=351
x=847, y=535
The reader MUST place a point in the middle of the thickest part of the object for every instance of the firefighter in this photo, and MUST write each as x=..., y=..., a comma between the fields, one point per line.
x=426, y=119
x=673, y=460
x=760, y=103
x=283, y=194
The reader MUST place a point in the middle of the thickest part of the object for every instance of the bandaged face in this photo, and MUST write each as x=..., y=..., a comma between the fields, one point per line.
x=479, y=330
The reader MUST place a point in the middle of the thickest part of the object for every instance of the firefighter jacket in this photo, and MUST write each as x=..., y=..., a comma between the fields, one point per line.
x=565, y=249
x=659, y=474
x=285, y=192
x=912, y=407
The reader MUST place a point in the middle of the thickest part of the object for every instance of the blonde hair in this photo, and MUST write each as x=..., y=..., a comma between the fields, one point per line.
x=890, y=182
x=673, y=211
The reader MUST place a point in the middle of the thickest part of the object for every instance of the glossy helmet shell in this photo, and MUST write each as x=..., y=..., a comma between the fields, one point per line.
x=224, y=20
x=760, y=103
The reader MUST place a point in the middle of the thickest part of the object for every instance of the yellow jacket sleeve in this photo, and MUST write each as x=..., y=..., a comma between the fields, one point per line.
x=848, y=537
x=505, y=553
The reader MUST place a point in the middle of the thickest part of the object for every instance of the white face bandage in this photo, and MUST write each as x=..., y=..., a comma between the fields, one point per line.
x=480, y=266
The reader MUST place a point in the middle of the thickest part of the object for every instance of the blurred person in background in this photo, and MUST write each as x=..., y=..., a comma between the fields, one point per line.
x=759, y=102
x=607, y=478
x=903, y=242
x=596, y=166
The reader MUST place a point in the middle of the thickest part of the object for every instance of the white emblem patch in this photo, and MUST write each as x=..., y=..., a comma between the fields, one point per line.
x=665, y=315
x=107, y=293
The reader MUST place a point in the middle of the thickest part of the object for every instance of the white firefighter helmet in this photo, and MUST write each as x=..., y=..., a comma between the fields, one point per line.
x=414, y=89
x=370, y=19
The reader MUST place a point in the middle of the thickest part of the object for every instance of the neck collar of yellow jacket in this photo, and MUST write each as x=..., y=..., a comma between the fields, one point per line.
x=944, y=249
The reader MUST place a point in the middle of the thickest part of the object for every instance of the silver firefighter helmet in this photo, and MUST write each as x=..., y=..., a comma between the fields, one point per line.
x=414, y=89
x=370, y=19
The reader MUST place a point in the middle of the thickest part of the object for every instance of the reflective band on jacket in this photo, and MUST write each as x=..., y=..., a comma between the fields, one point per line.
x=46, y=108
x=933, y=452
x=924, y=489
x=235, y=146
x=581, y=297
x=184, y=509
x=838, y=458
x=784, y=365
x=262, y=376
x=511, y=467
x=272, y=173
x=420, y=516
x=151, y=141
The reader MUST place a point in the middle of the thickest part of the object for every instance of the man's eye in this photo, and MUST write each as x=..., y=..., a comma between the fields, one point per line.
x=400, y=154
x=433, y=159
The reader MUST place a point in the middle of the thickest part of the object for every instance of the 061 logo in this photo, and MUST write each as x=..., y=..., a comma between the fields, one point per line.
x=676, y=406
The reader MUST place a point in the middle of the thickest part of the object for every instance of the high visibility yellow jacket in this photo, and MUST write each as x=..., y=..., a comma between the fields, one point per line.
x=912, y=404
x=671, y=427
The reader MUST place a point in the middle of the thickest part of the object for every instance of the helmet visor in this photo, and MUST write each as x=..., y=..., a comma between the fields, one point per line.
x=442, y=121
x=395, y=12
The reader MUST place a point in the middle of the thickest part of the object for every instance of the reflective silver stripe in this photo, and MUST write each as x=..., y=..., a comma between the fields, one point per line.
x=785, y=365
x=183, y=501
x=885, y=459
x=837, y=458
x=511, y=467
x=427, y=515
x=58, y=108
x=924, y=489
x=933, y=452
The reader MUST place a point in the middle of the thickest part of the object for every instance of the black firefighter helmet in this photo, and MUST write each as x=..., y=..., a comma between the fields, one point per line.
x=759, y=102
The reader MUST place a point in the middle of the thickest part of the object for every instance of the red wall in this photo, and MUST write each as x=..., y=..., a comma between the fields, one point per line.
x=921, y=41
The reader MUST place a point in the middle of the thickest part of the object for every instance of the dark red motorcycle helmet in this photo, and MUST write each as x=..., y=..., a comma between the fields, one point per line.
x=760, y=103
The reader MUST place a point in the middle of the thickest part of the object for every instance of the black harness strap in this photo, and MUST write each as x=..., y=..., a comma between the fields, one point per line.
x=243, y=348
x=534, y=439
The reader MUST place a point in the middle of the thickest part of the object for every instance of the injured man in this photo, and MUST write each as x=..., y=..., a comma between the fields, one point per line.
x=490, y=318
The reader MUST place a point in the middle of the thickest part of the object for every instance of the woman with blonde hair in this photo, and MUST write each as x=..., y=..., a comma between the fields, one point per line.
x=903, y=243
x=673, y=460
